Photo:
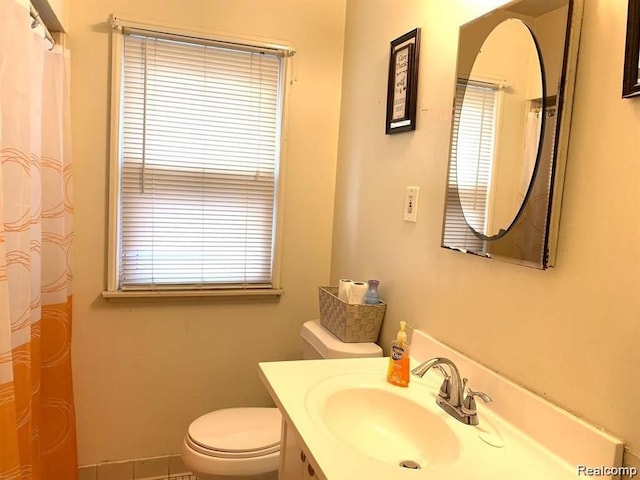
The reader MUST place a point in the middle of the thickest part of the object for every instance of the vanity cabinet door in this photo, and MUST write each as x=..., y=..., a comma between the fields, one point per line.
x=292, y=463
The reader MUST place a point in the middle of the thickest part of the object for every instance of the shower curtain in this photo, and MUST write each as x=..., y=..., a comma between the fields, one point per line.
x=37, y=420
x=532, y=128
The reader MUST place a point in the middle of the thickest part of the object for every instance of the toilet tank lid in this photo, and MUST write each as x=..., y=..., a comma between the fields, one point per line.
x=330, y=346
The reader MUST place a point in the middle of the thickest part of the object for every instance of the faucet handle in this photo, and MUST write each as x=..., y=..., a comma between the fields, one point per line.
x=442, y=371
x=469, y=403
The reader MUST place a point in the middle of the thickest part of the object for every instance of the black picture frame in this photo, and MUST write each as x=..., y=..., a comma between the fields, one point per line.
x=631, y=78
x=402, y=89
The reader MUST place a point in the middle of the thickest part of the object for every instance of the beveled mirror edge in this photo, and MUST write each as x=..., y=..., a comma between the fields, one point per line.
x=572, y=44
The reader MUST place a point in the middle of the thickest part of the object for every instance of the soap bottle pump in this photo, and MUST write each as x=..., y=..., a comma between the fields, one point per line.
x=398, y=372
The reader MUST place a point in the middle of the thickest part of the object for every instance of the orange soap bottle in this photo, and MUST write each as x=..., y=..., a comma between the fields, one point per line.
x=398, y=372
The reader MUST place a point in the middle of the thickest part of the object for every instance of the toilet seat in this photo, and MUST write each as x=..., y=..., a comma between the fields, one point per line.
x=236, y=433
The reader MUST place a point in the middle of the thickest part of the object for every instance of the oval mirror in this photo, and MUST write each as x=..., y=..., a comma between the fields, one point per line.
x=500, y=129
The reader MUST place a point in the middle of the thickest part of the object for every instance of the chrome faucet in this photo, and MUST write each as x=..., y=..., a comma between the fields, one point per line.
x=451, y=396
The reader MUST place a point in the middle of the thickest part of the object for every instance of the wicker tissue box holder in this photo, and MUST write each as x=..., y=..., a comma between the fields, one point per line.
x=350, y=323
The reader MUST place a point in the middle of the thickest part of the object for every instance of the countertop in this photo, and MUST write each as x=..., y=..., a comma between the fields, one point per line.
x=520, y=457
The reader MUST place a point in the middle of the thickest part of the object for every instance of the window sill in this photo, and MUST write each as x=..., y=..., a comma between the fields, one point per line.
x=120, y=296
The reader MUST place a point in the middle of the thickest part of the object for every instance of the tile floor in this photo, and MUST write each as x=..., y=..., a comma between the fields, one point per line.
x=158, y=468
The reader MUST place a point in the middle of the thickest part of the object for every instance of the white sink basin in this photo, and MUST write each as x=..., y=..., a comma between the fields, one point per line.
x=388, y=427
x=394, y=426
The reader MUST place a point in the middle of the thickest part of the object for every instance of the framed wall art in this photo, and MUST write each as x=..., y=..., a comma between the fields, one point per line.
x=402, y=90
x=631, y=77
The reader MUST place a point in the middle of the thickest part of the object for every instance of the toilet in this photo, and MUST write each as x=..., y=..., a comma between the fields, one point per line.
x=244, y=443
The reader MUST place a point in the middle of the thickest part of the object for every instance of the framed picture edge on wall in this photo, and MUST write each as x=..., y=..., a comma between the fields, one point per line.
x=631, y=77
x=402, y=88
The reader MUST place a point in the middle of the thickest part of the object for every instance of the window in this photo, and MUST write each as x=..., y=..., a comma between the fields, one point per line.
x=474, y=126
x=195, y=163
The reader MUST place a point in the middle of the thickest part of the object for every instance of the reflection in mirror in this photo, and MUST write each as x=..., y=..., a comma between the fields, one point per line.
x=498, y=127
x=514, y=89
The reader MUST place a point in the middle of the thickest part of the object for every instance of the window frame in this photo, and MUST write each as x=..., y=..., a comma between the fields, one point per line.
x=113, y=290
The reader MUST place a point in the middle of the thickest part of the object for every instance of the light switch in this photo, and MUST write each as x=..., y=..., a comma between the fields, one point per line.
x=411, y=204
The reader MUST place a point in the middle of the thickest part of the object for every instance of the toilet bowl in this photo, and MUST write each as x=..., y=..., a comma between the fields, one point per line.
x=244, y=443
x=234, y=443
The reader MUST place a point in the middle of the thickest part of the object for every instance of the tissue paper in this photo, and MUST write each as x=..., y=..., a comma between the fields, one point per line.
x=357, y=292
x=343, y=289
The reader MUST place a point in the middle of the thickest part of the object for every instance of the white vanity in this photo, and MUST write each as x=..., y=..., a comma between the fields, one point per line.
x=343, y=421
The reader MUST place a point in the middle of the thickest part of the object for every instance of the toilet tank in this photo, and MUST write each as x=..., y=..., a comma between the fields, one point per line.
x=318, y=342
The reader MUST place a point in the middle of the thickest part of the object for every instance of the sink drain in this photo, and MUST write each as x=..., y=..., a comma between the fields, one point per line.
x=410, y=464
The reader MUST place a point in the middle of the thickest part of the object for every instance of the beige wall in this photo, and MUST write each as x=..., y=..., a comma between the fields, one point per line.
x=142, y=372
x=570, y=333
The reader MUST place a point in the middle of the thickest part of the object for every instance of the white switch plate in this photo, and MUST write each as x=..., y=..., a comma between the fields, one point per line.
x=411, y=204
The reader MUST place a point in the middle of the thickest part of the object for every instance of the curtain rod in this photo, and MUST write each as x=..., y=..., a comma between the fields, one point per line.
x=129, y=27
x=38, y=21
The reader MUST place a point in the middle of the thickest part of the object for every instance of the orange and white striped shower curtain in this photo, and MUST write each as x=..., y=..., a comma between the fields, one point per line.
x=37, y=420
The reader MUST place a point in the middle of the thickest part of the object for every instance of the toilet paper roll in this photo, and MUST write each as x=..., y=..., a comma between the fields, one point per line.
x=357, y=292
x=343, y=289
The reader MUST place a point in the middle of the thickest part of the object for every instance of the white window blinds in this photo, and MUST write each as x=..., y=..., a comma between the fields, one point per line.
x=472, y=147
x=200, y=130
